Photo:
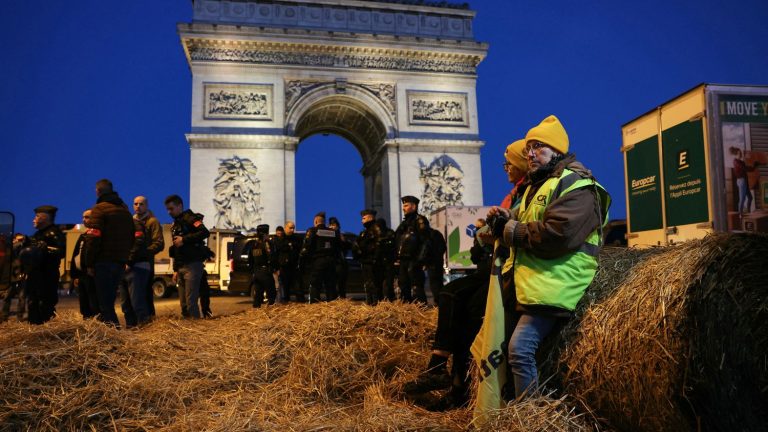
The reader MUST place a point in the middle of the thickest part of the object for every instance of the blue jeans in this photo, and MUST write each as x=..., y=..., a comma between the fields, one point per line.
x=189, y=288
x=107, y=279
x=745, y=195
x=133, y=293
x=528, y=334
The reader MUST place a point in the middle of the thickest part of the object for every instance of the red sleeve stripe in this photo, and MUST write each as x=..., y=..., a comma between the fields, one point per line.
x=94, y=232
x=138, y=234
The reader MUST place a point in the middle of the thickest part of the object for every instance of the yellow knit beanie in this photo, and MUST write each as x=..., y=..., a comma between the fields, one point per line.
x=550, y=132
x=514, y=155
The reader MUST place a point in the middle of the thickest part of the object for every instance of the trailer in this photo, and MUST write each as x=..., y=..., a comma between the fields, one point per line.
x=457, y=225
x=697, y=164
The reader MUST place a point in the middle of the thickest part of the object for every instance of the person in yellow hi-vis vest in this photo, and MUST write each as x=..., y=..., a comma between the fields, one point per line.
x=461, y=315
x=554, y=237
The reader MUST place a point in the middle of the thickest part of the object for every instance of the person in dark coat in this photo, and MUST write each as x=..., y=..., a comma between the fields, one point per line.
x=321, y=248
x=366, y=251
x=189, y=252
x=86, y=287
x=288, y=248
x=410, y=242
x=262, y=266
x=386, y=260
x=45, y=253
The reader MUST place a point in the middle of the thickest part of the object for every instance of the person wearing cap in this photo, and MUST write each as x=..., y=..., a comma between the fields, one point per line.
x=86, y=287
x=43, y=278
x=189, y=252
x=462, y=306
x=366, y=251
x=108, y=244
x=555, y=237
x=262, y=265
x=410, y=242
x=155, y=244
x=320, y=250
x=342, y=266
x=385, y=256
x=288, y=247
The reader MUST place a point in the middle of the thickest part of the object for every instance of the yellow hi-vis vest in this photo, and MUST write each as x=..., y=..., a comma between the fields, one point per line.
x=558, y=282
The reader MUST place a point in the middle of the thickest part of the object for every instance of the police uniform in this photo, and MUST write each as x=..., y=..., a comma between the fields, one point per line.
x=410, y=249
x=385, y=256
x=321, y=248
x=366, y=251
x=288, y=249
x=188, y=259
x=261, y=264
x=43, y=276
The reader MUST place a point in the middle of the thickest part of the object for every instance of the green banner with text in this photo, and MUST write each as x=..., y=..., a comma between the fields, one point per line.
x=644, y=186
x=743, y=109
x=685, y=174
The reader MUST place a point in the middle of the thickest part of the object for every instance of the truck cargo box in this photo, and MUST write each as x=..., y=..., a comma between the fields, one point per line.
x=696, y=164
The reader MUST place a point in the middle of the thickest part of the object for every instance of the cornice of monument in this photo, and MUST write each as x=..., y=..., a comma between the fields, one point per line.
x=432, y=145
x=340, y=37
x=301, y=52
x=242, y=141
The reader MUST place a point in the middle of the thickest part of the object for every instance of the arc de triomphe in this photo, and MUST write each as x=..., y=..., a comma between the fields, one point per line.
x=395, y=78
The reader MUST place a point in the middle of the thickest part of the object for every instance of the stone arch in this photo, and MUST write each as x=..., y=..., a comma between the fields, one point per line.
x=396, y=80
x=354, y=114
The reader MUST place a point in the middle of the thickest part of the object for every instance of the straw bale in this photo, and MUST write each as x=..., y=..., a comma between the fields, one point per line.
x=673, y=339
x=324, y=367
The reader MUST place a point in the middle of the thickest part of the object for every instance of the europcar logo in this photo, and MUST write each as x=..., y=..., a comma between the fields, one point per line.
x=643, y=183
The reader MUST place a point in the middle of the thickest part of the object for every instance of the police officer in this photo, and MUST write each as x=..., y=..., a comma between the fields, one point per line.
x=321, y=247
x=386, y=259
x=366, y=251
x=410, y=240
x=261, y=264
x=342, y=266
x=48, y=246
x=288, y=248
x=188, y=253
x=86, y=286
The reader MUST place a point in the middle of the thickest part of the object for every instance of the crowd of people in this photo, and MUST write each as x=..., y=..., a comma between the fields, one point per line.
x=314, y=267
x=542, y=242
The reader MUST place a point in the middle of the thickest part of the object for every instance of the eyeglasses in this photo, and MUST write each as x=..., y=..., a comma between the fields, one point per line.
x=533, y=145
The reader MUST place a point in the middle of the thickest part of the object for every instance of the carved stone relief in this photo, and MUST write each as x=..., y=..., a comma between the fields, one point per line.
x=438, y=108
x=466, y=66
x=442, y=182
x=238, y=101
x=295, y=89
x=237, y=194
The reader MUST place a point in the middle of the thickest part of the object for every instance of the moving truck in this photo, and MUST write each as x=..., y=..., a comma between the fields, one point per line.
x=697, y=164
x=457, y=224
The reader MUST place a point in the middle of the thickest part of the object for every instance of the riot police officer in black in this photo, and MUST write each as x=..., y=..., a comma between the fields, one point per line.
x=366, y=251
x=262, y=265
x=410, y=248
x=386, y=260
x=43, y=277
x=288, y=248
x=321, y=248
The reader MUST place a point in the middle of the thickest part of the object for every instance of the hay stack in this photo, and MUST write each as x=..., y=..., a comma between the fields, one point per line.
x=677, y=342
x=324, y=367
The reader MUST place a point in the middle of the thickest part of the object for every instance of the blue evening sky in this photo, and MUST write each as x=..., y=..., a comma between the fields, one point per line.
x=101, y=88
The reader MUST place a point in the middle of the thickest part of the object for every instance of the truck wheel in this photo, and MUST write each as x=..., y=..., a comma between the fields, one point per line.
x=160, y=289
